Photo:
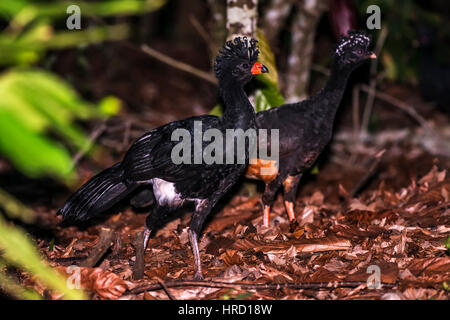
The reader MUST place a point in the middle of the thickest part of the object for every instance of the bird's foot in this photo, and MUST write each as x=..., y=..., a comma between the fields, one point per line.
x=198, y=276
x=293, y=225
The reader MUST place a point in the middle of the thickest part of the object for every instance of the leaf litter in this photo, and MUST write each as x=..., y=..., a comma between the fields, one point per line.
x=400, y=226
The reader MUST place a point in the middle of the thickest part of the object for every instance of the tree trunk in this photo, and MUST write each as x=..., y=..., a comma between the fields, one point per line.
x=242, y=17
x=218, y=31
x=299, y=61
x=274, y=18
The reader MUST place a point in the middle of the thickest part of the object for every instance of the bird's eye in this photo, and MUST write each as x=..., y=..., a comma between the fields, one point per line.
x=245, y=65
x=359, y=52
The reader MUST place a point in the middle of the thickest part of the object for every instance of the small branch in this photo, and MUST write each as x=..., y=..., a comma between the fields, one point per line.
x=139, y=263
x=92, y=138
x=399, y=104
x=165, y=288
x=104, y=243
x=367, y=176
x=179, y=65
x=355, y=111
x=203, y=33
x=252, y=286
x=373, y=83
x=274, y=18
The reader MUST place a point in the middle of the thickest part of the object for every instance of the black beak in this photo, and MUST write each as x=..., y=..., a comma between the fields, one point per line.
x=264, y=69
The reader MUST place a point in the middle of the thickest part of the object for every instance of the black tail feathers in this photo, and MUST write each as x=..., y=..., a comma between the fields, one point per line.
x=97, y=195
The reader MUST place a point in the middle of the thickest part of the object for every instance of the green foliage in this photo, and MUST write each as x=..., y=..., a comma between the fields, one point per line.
x=28, y=259
x=31, y=31
x=38, y=114
x=35, y=103
x=268, y=94
x=15, y=209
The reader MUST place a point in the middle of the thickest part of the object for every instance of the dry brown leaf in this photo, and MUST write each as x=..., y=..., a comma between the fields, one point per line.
x=231, y=257
x=106, y=284
x=350, y=232
x=329, y=243
x=388, y=272
x=429, y=265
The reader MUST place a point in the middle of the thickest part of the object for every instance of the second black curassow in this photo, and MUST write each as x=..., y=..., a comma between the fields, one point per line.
x=306, y=127
x=149, y=161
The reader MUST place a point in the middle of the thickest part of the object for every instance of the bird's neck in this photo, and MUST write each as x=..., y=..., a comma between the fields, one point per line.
x=239, y=112
x=331, y=95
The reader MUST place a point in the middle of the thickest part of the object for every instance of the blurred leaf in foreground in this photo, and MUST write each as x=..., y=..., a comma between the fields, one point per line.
x=14, y=208
x=35, y=104
x=18, y=250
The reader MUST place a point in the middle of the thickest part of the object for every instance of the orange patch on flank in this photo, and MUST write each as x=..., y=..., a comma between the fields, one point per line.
x=287, y=183
x=265, y=170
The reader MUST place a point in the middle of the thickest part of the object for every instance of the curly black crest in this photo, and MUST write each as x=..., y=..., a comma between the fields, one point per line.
x=240, y=48
x=353, y=39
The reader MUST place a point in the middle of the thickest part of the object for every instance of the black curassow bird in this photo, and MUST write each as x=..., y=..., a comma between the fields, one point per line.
x=305, y=128
x=149, y=160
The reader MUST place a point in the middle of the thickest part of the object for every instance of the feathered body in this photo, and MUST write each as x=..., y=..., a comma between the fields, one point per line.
x=306, y=127
x=149, y=161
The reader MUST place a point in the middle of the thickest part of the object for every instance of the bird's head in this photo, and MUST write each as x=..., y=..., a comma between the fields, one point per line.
x=353, y=49
x=237, y=60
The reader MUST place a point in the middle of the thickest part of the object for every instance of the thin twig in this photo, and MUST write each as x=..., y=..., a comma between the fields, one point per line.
x=355, y=111
x=91, y=140
x=165, y=288
x=179, y=65
x=369, y=174
x=203, y=33
x=399, y=104
x=373, y=83
x=252, y=286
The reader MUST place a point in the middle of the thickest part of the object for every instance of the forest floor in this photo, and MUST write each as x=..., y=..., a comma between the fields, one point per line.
x=378, y=207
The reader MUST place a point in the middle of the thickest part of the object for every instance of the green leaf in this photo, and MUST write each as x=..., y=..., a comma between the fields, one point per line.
x=268, y=94
x=9, y=285
x=26, y=11
x=314, y=170
x=18, y=250
x=14, y=208
x=447, y=243
x=33, y=154
x=110, y=105
x=267, y=58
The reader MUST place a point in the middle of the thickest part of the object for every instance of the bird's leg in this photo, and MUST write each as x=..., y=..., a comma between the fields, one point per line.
x=268, y=199
x=266, y=215
x=202, y=210
x=147, y=233
x=193, y=239
x=290, y=185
